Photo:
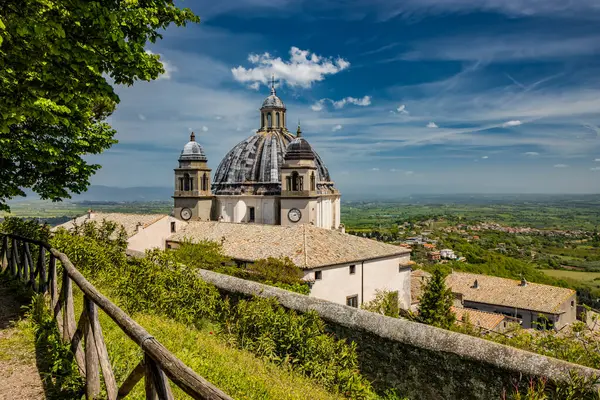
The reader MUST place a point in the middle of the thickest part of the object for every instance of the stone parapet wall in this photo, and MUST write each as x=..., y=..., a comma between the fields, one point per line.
x=420, y=361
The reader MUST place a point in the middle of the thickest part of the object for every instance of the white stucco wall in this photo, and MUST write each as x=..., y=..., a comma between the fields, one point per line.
x=155, y=235
x=337, y=283
x=237, y=209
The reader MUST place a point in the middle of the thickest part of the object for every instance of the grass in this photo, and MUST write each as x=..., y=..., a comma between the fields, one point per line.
x=17, y=343
x=581, y=276
x=237, y=372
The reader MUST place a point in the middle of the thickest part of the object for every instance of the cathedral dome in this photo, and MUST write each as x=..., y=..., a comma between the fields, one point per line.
x=192, y=151
x=253, y=165
x=299, y=149
x=273, y=101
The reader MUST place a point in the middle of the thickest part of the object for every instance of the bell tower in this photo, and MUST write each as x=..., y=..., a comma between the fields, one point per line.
x=299, y=183
x=192, y=195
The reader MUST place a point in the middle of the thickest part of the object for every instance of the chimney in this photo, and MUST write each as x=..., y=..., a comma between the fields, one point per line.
x=475, y=284
x=139, y=227
x=523, y=282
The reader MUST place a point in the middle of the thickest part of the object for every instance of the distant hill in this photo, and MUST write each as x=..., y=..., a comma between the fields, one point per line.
x=111, y=193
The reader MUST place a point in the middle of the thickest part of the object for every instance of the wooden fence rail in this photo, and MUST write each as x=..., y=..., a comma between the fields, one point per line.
x=85, y=336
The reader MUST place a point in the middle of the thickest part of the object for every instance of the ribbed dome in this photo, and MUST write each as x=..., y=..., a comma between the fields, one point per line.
x=299, y=149
x=253, y=165
x=192, y=151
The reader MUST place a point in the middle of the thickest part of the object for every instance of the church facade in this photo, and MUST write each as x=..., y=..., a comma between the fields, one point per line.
x=273, y=177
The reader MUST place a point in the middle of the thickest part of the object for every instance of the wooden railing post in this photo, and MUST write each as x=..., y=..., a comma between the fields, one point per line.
x=4, y=254
x=52, y=281
x=22, y=265
x=13, y=258
x=107, y=372
x=43, y=285
x=92, y=378
x=157, y=384
x=31, y=269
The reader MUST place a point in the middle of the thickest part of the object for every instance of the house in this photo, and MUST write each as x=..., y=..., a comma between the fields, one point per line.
x=341, y=268
x=144, y=231
x=447, y=254
x=484, y=321
x=532, y=303
x=429, y=246
x=434, y=256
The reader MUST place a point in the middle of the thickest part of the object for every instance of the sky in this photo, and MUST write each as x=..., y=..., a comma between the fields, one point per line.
x=397, y=96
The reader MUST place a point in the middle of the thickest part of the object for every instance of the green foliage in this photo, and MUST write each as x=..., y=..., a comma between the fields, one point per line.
x=436, y=301
x=385, y=303
x=61, y=375
x=26, y=228
x=577, y=388
x=298, y=340
x=58, y=61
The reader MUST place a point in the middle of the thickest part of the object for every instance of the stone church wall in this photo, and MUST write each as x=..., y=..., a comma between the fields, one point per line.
x=420, y=361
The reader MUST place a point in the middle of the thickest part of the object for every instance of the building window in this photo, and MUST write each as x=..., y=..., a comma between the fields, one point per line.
x=168, y=245
x=313, y=185
x=173, y=227
x=262, y=125
x=318, y=275
x=572, y=303
x=352, y=269
x=295, y=181
x=180, y=183
x=269, y=121
x=277, y=119
x=352, y=301
x=288, y=181
x=186, y=182
x=251, y=214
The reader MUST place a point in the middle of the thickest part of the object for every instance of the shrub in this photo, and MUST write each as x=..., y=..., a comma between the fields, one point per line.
x=385, y=303
x=435, y=303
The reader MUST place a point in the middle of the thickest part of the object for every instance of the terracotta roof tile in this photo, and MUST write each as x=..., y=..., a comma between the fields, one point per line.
x=480, y=319
x=127, y=221
x=509, y=292
x=306, y=245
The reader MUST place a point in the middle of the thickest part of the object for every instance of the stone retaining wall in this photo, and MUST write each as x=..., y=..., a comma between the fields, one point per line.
x=420, y=361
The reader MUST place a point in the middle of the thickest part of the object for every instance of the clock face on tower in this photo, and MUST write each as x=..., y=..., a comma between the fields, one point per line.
x=186, y=214
x=294, y=215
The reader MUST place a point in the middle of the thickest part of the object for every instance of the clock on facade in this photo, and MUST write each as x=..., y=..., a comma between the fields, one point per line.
x=294, y=215
x=186, y=213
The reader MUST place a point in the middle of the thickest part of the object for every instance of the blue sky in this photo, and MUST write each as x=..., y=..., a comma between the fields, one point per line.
x=396, y=95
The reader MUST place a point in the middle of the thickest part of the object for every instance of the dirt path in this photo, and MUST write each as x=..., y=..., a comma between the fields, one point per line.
x=19, y=376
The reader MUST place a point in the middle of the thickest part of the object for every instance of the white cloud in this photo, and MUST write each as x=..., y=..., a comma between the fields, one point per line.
x=142, y=117
x=560, y=165
x=485, y=157
x=532, y=153
x=597, y=160
x=511, y=123
x=595, y=169
x=401, y=109
x=374, y=169
x=362, y=102
x=205, y=129
x=432, y=125
x=254, y=86
x=336, y=128
x=409, y=173
x=218, y=117
x=302, y=69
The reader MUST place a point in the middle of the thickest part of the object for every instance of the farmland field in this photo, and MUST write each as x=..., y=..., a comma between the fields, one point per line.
x=575, y=275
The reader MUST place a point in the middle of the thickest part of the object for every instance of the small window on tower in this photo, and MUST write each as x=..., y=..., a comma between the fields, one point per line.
x=352, y=269
x=318, y=275
x=251, y=214
x=173, y=227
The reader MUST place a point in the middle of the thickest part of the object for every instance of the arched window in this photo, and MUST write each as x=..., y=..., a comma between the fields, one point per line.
x=204, y=182
x=277, y=119
x=186, y=182
x=288, y=180
x=313, y=185
x=269, y=122
x=191, y=183
x=262, y=125
x=295, y=181
x=301, y=184
x=180, y=183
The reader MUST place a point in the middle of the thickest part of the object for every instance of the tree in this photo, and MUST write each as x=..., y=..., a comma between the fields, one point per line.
x=436, y=301
x=385, y=303
x=58, y=62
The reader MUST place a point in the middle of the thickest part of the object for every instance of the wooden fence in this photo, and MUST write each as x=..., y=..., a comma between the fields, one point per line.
x=85, y=336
